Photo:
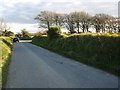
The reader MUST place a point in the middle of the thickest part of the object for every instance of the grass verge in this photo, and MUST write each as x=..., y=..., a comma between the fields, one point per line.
x=6, y=47
x=98, y=50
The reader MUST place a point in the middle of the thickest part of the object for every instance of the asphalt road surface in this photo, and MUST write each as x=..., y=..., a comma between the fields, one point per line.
x=34, y=67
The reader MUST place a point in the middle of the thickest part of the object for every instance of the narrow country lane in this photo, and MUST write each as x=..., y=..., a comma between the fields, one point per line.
x=34, y=67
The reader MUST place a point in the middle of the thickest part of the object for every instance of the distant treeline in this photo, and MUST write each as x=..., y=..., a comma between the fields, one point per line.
x=77, y=21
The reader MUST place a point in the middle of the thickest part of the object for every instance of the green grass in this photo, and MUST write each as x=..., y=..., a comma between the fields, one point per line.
x=98, y=50
x=6, y=46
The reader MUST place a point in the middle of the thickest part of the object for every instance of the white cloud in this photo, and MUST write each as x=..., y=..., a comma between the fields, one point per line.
x=17, y=27
x=1, y=10
x=20, y=13
x=12, y=2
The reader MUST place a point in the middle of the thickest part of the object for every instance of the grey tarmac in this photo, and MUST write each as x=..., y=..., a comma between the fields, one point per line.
x=34, y=67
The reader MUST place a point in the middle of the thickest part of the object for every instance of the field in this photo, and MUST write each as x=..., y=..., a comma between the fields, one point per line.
x=97, y=50
x=6, y=46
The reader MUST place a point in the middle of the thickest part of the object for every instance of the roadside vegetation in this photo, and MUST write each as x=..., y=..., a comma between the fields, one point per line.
x=93, y=40
x=5, y=50
x=98, y=50
x=5, y=54
x=25, y=35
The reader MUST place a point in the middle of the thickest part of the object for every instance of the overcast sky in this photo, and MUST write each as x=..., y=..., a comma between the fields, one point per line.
x=20, y=14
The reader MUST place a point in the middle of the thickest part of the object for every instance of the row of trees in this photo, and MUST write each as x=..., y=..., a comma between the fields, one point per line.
x=23, y=33
x=77, y=21
x=4, y=29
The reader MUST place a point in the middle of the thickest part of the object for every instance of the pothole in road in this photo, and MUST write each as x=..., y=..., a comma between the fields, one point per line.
x=60, y=62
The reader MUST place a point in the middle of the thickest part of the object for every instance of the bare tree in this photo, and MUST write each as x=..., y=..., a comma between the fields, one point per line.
x=1, y=24
x=103, y=22
x=3, y=27
x=81, y=20
x=24, y=32
x=97, y=21
x=76, y=19
x=112, y=24
x=84, y=20
x=69, y=23
x=58, y=19
x=45, y=18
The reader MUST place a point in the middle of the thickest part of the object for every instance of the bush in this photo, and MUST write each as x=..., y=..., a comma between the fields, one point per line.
x=40, y=33
x=25, y=32
x=7, y=33
x=25, y=38
x=54, y=32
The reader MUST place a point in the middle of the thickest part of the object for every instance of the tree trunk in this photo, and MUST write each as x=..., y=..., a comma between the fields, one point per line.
x=119, y=29
x=56, y=22
x=96, y=27
x=78, y=27
x=87, y=28
x=48, y=25
x=83, y=28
